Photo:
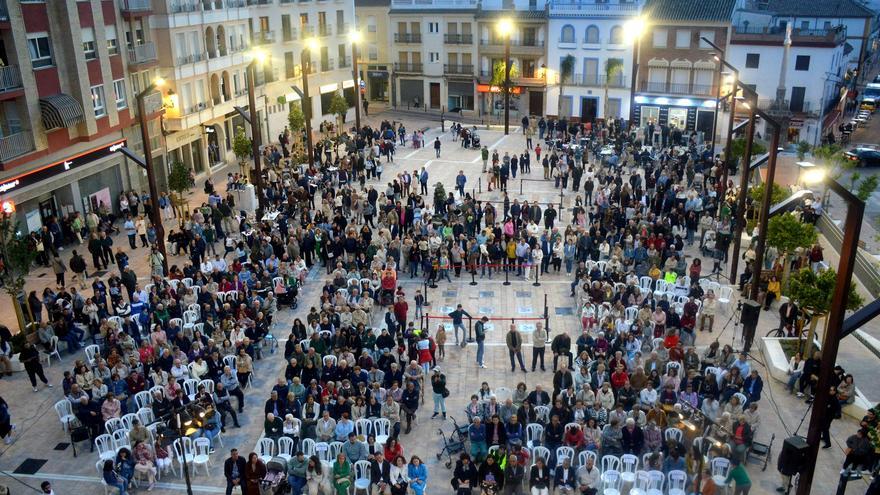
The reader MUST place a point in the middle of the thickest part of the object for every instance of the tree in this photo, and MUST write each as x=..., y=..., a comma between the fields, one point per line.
x=178, y=182
x=613, y=66
x=803, y=148
x=738, y=149
x=339, y=107
x=242, y=147
x=813, y=292
x=17, y=256
x=786, y=233
x=296, y=120
x=778, y=195
x=566, y=72
x=498, y=79
x=867, y=187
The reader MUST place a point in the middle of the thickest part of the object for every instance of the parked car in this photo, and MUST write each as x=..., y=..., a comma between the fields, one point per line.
x=866, y=157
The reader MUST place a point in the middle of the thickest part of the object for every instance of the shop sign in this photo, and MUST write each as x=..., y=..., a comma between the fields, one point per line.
x=796, y=123
x=378, y=74
x=485, y=88
x=76, y=161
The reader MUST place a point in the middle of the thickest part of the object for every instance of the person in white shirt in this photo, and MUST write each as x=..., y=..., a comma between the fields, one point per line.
x=648, y=396
x=219, y=263
x=588, y=478
x=206, y=266
x=179, y=371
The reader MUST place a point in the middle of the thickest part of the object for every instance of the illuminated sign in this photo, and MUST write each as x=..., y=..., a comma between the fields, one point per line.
x=70, y=163
x=485, y=88
x=7, y=207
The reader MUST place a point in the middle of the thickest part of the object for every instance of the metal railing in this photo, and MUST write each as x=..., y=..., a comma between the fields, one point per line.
x=325, y=30
x=142, y=53
x=288, y=34
x=344, y=62
x=10, y=78
x=16, y=145
x=458, y=39
x=467, y=69
x=259, y=2
x=678, y=88
x=598, y=80
x=135, y=5
x=179, y=6
x=327, y=65
x=594, y=7
x=526, y=42
x=401, y=67
x=263, y=37
x=436, y=3
x=192, y=58
x=408, y=37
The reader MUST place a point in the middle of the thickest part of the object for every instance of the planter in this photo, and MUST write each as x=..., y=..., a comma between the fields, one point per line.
x=777, y=366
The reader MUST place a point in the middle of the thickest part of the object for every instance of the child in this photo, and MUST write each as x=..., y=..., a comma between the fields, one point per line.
x=440, y=341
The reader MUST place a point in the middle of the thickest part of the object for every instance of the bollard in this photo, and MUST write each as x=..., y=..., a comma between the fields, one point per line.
x=537, y=271
x=470, y=330
x=480, y=184
x=521, y=186
x=546, y=318
x=425, y=292
x=506, y=275
x=474, y=276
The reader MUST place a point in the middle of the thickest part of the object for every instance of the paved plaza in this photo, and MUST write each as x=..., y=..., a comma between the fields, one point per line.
x=40, y=437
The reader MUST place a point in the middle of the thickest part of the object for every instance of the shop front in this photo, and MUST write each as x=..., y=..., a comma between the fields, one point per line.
x=460, y=95
x=377, y=82
x=685, y=114
x=187, y=147
x=492, y=100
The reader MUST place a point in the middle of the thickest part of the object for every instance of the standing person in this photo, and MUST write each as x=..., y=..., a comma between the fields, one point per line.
x=458, y=322
x=832, y=412
x=437, y=146
x=484, y=154
x=78, y=265
x=480, y=336
x=233, y=469
x=59, y=269
x=739, y=475
x=514, y=347
x=438, y=387
x=6, y=426
x=460, y=181
x=30, y=357
x=254, y=471
x=539, y=339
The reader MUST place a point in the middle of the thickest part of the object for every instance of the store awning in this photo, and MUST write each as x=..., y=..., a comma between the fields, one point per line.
x=60, y=111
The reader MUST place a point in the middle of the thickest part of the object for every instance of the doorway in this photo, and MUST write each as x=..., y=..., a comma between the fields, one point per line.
x=435, y=95
x=589, y=109
x=536, y=103
x=48, y=210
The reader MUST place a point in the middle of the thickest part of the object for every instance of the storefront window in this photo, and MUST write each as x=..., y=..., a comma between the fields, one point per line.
x=678, y=117
x=650, y=115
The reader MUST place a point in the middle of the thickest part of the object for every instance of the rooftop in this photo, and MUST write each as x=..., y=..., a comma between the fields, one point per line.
x=689, y=10
x=799, y=8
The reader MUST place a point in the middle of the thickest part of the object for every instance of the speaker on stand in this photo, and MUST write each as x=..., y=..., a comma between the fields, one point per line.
x=751, y=311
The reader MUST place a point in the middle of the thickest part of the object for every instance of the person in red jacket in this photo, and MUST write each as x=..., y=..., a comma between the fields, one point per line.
x=401, y=307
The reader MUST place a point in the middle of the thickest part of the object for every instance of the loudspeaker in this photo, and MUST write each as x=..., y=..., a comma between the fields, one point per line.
x=793, y=455
x=751, y=310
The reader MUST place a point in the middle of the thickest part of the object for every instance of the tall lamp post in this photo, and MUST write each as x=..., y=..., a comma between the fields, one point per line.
x=309, y=44
x=830, y=343
x=356, y=38
x=634, y=29
x=155, y=214
x=505, y=29
x=258, y=59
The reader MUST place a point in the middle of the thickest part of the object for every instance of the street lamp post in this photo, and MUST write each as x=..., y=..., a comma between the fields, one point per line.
x=505, y=27
x=634, y=29
x=256, y=133
x=355, y=39
x=830, y=343
x=155, y=214
x=306, y=62
x=739, y=216
x=728, y=146
x=765, y=212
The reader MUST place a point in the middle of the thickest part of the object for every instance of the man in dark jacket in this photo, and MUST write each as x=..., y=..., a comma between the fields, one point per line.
x=565, y=478
x=409, y=403
x=380, y=473
x=633, y=438
x=561, y=346
x=233, y=469
x=562, y=379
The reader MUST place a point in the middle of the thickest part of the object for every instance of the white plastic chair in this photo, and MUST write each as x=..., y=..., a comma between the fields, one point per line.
x=725, y=295
x=631, y=313
x=657, y=480
x=183, y=450
x=190, y=387
x=362, y=471
x=676, y=482
x=53, y=343
x=742, y=399
x=322, y=449
x=143, y=399
x=92, y=351
x=229, y=361
x=381, y=428
x=543, y=414
x=534, y=434
x=673, y=364
x=128, y=420
x=542, y=453
x=673, y=434
x=285, y=448
x=329, y=358
x=120, y=440
x=643, y=482
x=610, y=463
x=187, y=282
x=564, y=452
x=208, y=384
x=584, y=455
x=629, y=464
x=720, y=470
x=65, y=414
x=158, y=389
x=202, y=454
x=113, y=424
x=363, y=427
x=307, y=445
x=106, y=449
x=611, y=482
x=266, y=449
x=146, y=416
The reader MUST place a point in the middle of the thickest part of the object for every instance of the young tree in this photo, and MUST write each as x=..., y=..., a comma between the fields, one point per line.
x=613, y=67
x=786, y=233
x=178, y=183
x=339, y=107
x=17, y=257
x=738, y=149
x=296, y=120
x=813, y=292
x=803, y=148
x=566, y=72
x=498, y=79
x=242, y=147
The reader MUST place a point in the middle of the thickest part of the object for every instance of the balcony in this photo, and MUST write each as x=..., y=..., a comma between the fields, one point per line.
x=15, y=145
x=462, y=70
x=434, y=4
x=288, y=34
x=408, y=68
x=343, y=28
x=192, y=58
x=597, y=8
x=179, y=6
x=307, y=30
x=345, y=63
x=259, y=2
x=327, y=65
x=135, y=8
x=263, y=37
x=746, y=34
x=10, y=78
x=325, y=30
x=407, y=37
x=598, y=81
x=142, y=54
x=684, y=89
x=528, y=46
x=458, y=39
x=771, y=106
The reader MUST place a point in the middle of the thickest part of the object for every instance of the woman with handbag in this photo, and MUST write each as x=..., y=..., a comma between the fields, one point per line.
x=438, y=386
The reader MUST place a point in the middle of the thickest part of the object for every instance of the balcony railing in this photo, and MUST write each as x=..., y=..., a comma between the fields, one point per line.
x=343, y=28
x=412, y=68
x=191, y=58
x=307, y=30
x=427, y=4
x=263, y=37
x=745, y=33
x=179, y=6
x=527, y=42
x=327, y=65
x=593, y=8
x=15, y=145
x=288, y=34
x=458, y=39
x=772, y=104
x=408, y=37
x=345, y=62
x=598, y=80
x=142, y=54
x=10, y=78
x=325, y=30
x=259, y=2
x=466, y=69
x=677, y=88
x=135, y=5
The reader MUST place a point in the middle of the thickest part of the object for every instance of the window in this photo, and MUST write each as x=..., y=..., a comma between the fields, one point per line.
x=827, y=25
x=802, y=62
x=660, y=38
x=112, y=39
x=616, y=35
x=373, y=53
x=88, y=41
x=433, y=27
x=805, y=25
x=683, y=38
x=592, y=35
x=709, y=35
x=371, y=24
x=119, y=91
x=753, y=60
x=40, y=50
x=98, y=101
x=434, y=57
x=567, y=34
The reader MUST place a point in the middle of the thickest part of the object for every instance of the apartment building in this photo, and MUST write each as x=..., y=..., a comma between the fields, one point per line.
x=677, y=78
x=66, y=105
x=593, y=33
x=528, y=42
x=374, y=54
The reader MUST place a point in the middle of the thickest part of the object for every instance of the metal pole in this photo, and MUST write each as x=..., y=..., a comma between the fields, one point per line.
x=426, y=292
x=739, y=217
x=715, y=120
x=357, y=86
x=155, y=213
x=765, y=215
x=727, y=147
x=507, y=84
x=521, y=185
x=632, y=84
x=546, y=319
x=306, y=62
x=831, y=341
x=474, y=275
x=506, y=275
x=537, y=271
x=256, y=138
x=185, y=467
